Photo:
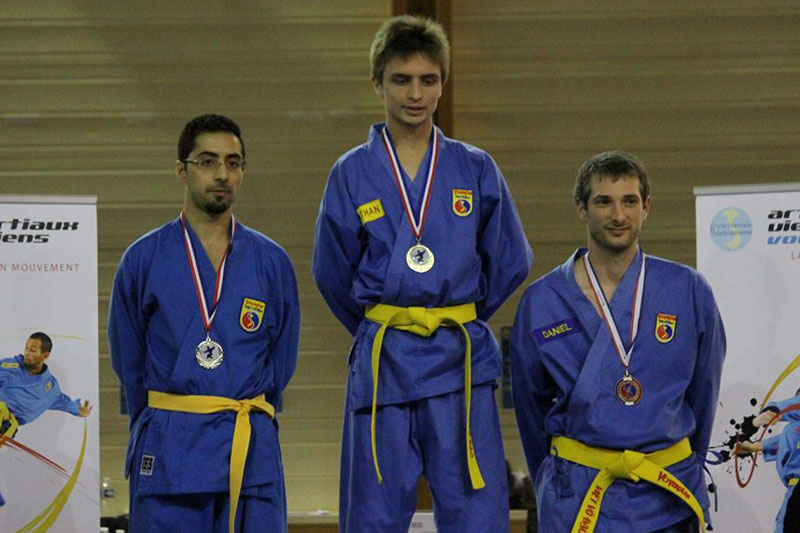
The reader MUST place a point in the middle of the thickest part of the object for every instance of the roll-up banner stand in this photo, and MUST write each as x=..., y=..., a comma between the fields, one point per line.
x=49, y=453
x=748, y=247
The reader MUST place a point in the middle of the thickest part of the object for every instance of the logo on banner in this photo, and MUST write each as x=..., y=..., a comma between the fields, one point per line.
x=462, y=202
x=731, y=229
x=665, y=327
x=251, y=314
x=783, y=226
x=32, y=231
x=370, y=211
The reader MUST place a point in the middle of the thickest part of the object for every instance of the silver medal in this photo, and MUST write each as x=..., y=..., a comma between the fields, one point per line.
x=208, y=354
x=419, y=258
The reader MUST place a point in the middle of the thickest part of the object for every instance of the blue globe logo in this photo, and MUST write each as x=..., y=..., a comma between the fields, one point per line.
x=731, y=229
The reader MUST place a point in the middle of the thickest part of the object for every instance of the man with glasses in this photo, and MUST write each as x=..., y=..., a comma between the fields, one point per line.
x=203, y=332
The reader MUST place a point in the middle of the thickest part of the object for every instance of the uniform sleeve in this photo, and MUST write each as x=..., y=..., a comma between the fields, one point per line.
x=126, y=338
x=283, y=351
x=788, y=416
x=703, y=390
x=532, y=389
x=337, y=251
x=771, y=446
x=506, y=256
x=66, y=404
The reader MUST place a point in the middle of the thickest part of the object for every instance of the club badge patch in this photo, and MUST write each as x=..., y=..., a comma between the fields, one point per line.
x=48, y=386
x=251, y=314
x=462, y=202
x=665, y=327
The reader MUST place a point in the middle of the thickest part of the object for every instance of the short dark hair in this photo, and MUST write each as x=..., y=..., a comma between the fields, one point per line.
x=405, y=35
x=44, y=339
x=615, y=165
x=205, y=124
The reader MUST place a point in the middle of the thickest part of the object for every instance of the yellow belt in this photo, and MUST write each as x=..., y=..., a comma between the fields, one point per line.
x=241, y=431
x=8, y=433
x=423, y=321
x=627, y=464
x=793, y=481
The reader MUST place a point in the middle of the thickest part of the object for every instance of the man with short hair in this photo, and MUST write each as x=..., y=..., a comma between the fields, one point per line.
x=28, y=389
x=417, y=231
x=203, y=331
x=616, y=359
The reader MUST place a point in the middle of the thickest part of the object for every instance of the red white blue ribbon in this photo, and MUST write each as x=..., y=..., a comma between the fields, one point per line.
x=416, y=222
x=208, y=317
x=624, y=355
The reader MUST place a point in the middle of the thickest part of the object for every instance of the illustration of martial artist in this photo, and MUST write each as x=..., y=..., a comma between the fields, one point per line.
x=784, y=450
x=616, y=364
x=28, y=388
x=203, y=331
x=418, y=242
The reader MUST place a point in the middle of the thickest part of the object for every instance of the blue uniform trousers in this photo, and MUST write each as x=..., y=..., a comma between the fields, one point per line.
x=424, y=437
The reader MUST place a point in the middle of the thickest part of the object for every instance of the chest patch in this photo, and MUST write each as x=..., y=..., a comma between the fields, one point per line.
x=48, y=386
x=557, y=330
x=665, y=327
x=370, y=211
x=462, y=202
x=9, y=365
x=252, y=314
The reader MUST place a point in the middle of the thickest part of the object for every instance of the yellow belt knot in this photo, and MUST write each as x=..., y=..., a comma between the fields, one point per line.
x=424, y=321
x=625, y=464
x=186, y=403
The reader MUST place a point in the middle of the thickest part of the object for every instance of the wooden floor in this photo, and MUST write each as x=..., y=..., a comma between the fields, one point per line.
x=328, y=524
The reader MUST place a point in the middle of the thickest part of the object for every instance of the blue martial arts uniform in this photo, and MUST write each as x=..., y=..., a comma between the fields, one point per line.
x=564, y=375
x=155, y=324
x=29, y=396
x=784, y=449
x=481, y=256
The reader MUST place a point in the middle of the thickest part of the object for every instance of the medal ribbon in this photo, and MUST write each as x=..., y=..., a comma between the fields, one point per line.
x=416, y=222
x=208, y=318
x=624, y=356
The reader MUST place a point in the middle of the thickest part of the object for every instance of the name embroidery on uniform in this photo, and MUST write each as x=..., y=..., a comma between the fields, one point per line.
x=462, y=202
x=665, y=327
x=557, y=330
x=147, y=465
x=252, y=314
x=370, y=211
x=9, y=365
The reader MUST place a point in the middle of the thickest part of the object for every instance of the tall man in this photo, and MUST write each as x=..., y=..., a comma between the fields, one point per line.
x=417, y=231
x=203, y=330
x=616, y=361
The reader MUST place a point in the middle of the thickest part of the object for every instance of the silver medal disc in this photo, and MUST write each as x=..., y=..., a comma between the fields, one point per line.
x=419, y=258
x=208, y=354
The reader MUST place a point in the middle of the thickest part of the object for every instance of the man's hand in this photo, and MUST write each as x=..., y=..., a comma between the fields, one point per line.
x=85, y=409
x=766, y=418
x=746, y=447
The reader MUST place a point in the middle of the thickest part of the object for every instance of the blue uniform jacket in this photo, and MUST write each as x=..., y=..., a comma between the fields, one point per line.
x=481, y=256
x=784, y=448
x=564, y=375
x=29, y=396
x=155, y=324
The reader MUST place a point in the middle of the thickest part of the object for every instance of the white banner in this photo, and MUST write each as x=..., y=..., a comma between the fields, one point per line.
x=48, y=283
x=748, y=247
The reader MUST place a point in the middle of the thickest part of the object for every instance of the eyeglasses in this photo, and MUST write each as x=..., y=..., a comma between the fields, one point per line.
x=212, y=163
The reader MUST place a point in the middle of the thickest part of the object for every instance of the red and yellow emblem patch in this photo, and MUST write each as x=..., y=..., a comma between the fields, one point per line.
x=251, y=314
x=462, y=202
x=665, y=327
